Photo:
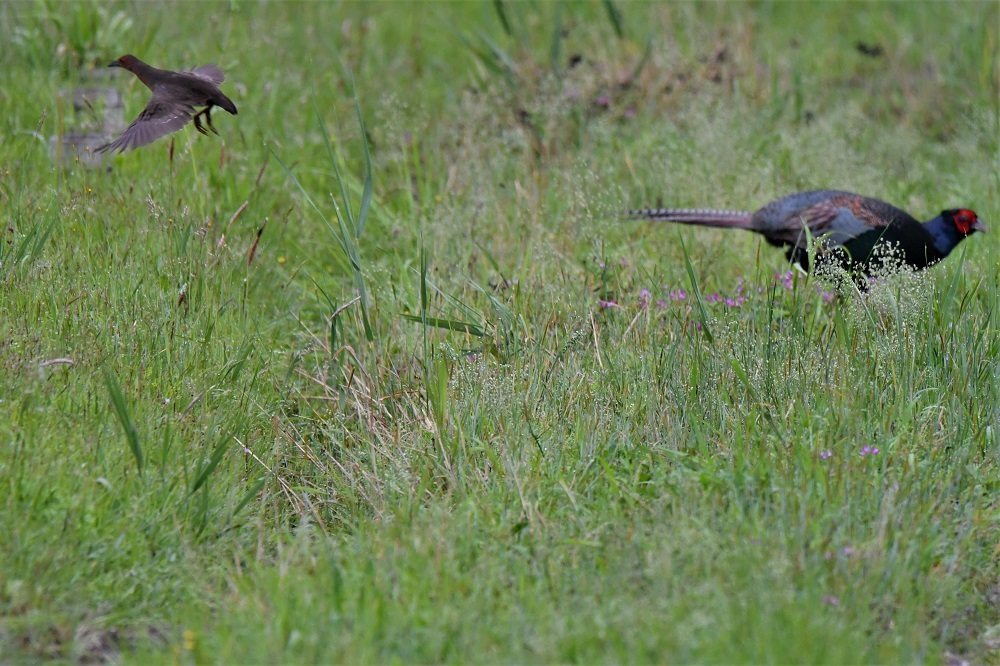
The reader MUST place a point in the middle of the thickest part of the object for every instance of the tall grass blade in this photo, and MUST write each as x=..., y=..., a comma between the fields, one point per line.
x=437, y=394
x=41, y=239
x=483, y=56
x=343, y=233
x=615, y=17
x=493, y=262
x=248, y=496
x=555, y=48
x=349, y=239
x=28, y=249
x=501, y=10
x=335, y=163
x=423, y=278
x=505, y=62
x=446, y=324
x=466, y=310
x=702, y=313
x=366, y=196
x=311, y=203
x=493, y=58
x=956, y=280
x=213, y=462
x=121, y=410
x=334, y=338
x=641, y=65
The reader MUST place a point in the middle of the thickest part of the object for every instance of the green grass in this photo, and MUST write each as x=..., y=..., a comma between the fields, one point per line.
x=312, y=430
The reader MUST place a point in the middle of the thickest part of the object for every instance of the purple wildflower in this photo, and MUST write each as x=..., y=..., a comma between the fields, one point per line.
x=608, y=304
x=825, y=455
x=869, y=450
x=831, y=600
x=644, y=298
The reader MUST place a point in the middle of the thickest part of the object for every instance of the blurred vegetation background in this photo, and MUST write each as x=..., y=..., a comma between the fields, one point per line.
x=380, y=374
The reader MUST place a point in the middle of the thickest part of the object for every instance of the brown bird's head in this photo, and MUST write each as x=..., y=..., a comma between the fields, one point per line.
x=126, y=62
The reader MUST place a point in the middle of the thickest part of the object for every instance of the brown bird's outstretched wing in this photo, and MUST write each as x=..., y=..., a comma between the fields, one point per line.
x=160, y=117
x=209, y=73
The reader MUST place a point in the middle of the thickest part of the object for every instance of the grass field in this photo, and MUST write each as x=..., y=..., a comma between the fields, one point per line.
x=248, y=414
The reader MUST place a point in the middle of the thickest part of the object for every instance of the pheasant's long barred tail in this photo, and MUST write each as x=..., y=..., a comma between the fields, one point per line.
x=706, y=216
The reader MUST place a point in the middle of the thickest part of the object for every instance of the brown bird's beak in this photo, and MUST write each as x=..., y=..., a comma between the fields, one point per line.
x=115, y=64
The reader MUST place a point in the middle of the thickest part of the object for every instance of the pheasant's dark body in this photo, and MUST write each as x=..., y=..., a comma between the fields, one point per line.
x=860, y=226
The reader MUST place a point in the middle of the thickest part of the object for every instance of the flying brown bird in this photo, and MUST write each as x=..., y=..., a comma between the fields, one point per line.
x=175, y=96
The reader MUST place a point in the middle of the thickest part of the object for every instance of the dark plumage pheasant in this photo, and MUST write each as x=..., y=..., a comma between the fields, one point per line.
x=862, y=227
x=175, y=98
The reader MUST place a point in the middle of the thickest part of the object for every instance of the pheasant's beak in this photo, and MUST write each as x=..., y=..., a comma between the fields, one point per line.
x=115, y=64
x=978, y=226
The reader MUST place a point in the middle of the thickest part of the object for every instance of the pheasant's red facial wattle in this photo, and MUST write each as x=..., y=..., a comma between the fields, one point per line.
x=966, y=221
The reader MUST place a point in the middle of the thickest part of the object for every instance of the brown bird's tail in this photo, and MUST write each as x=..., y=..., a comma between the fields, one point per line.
x=226, y=103
x=706, y=217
